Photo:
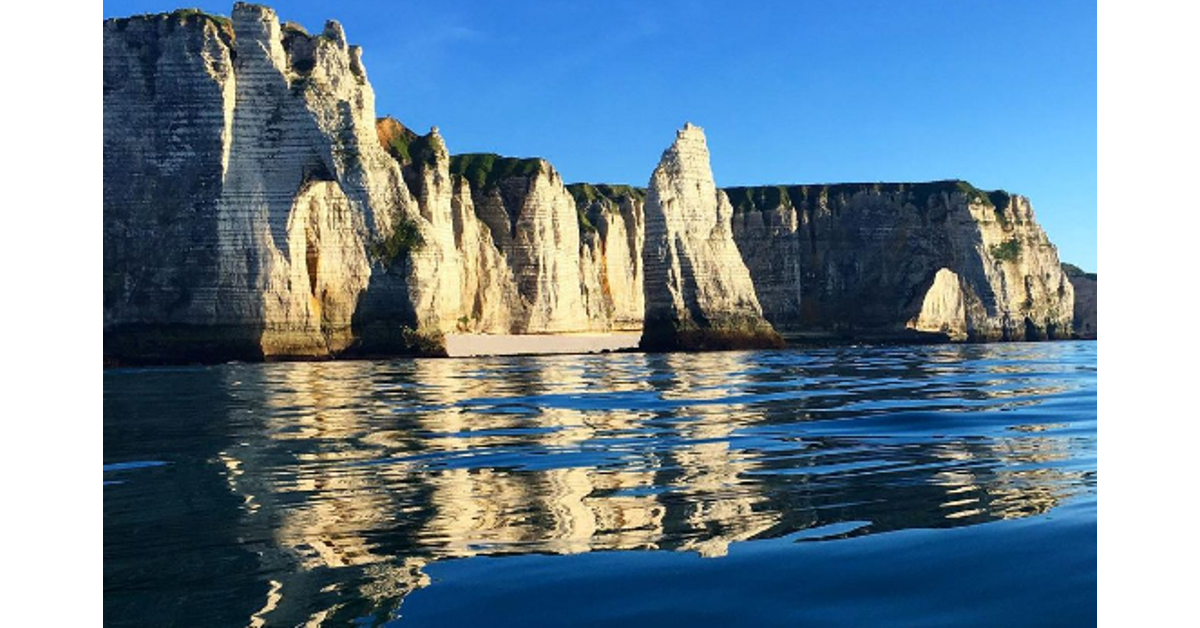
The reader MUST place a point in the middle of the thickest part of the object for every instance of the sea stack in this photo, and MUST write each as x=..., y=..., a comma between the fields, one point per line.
x=698, y=292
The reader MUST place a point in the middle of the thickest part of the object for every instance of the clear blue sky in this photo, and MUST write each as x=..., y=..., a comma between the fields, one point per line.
x=1000, y=93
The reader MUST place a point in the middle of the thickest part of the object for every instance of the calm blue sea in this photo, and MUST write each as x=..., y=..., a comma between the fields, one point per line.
x=849, y=486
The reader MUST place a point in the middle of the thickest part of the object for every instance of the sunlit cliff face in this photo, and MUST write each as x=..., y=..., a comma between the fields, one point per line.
x=378, y=469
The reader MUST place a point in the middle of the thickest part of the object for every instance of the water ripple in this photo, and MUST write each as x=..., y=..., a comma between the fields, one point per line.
x=341, y=477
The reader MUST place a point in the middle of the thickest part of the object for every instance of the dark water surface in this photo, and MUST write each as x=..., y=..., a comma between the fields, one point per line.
x=852, y=486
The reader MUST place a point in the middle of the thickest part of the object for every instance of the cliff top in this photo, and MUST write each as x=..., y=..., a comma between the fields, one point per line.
x=407, y=146
x=766, y=197
x=484, y=170
x=585, y=193
x=1073, y=271
x=180, y=16
x=690, y=132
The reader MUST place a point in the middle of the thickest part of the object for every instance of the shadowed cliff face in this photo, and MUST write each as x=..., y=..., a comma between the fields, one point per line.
x=901, y=261
x=1085, y=301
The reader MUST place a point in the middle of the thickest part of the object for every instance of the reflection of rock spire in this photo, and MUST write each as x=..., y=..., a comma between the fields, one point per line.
x=722, y=504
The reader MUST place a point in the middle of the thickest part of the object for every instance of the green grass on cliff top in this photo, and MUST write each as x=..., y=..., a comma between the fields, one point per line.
x=1074, y=271
x=485, y=170
x=586, y=193
x=407, y=147
x=184, y=15
x=768, y=197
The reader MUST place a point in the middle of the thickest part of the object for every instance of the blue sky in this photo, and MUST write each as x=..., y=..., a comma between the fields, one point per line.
x=1000, y=93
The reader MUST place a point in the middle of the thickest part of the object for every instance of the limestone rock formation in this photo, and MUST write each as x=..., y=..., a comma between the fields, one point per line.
x=612, y=230
x=698, y=293
x=255, y=207
x=246, y=196
x=901, y=261
x=1085, y=301
x=532, y=221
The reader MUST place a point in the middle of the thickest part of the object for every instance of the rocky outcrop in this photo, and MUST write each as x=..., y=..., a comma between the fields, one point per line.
x=1085, y=301
x=612, y=231
x=901, y=261
x=698, y=292
x=255, y=207
x=248, y=205
x=533, y=223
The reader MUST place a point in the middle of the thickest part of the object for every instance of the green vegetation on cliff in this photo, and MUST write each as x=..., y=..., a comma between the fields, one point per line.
x=973, y=194
x=405, y=238
x=404, y=145
x=1006, y=251
x=484, y=170
x=396, y=139
x=186, y=16
x=1072, y=270
x=586, y=193
x=421, y=150
x=768, y=197
x=999, y=200
x=764, y=197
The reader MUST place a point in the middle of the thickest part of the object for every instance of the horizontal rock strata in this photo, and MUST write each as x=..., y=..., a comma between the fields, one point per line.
x=901, y=261
x=698, y=292
x=255, y=207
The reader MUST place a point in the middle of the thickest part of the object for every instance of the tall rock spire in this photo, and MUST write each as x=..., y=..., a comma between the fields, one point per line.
x=698, y=291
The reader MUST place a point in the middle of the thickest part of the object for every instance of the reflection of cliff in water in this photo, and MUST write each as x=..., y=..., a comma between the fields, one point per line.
x=364, y=472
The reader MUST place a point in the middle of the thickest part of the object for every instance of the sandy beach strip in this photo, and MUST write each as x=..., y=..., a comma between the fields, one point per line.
x=464, y=345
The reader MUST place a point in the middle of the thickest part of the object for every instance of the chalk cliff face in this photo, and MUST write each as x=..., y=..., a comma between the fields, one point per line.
x=1085, y=301
x=698, y=293
x=901, y=260
x=254, y=207
x=244, y=189
x=612, y=223
x=532, y=221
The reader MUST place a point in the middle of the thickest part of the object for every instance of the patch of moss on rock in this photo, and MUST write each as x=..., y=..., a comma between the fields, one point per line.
x=585, y=223
x=421, y=150
x=726, y=333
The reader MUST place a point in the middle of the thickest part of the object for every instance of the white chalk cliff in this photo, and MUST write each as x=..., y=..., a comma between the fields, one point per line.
x=698, y=290
x=938, y=261
x=255, y=206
